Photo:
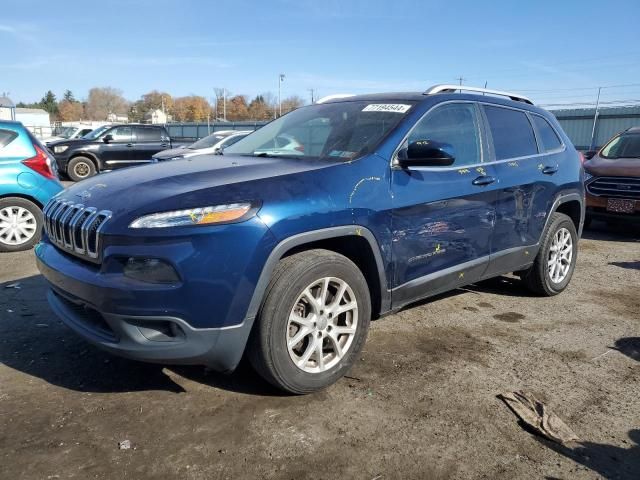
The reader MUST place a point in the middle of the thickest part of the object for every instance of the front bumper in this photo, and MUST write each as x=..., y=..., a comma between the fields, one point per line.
x=167, y=340
x=200, y=320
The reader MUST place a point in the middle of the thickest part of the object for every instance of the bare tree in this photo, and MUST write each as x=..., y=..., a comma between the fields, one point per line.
x=103, y=101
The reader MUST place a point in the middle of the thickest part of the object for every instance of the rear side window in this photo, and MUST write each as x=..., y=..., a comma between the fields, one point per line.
x=455, y=124
x=548, y=135
x=148, y=134
x=6, y=137
x=512, y=133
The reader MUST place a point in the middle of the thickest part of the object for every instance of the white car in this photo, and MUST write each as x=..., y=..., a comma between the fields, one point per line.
x=69, y=133
x=213, y=143
x=283, y=144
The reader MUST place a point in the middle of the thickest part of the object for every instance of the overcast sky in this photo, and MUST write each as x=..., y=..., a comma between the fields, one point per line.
x=556, y=51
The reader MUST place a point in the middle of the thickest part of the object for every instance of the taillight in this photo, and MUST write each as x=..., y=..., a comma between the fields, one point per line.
x=581, y=156
x=41, y=163
x=299, y=148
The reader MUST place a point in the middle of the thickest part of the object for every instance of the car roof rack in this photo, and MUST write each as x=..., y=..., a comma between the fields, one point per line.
x=446, y=88
x=335, y=96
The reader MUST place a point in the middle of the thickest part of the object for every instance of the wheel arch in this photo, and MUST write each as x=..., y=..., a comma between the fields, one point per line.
x=572, y=205
x=24, y=197
x=362, y=249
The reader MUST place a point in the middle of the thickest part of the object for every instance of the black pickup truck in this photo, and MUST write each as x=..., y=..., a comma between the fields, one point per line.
x=108, y=148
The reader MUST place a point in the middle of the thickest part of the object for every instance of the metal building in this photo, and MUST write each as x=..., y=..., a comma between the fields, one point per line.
x=579, y=124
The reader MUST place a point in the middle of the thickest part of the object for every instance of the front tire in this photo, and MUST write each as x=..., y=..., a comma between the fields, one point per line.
x=553, y=267
x=20, y=224
x=313, y=322
x=80, y=168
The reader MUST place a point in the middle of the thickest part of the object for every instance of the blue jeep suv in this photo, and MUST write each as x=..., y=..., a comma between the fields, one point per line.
x=286, y=254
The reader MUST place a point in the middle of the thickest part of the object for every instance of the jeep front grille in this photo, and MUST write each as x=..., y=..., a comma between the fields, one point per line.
x=622, y=187
x=75, y=228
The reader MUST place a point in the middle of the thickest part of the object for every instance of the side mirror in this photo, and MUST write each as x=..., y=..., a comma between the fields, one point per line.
x=427, y=153
x=588, y=155
x=107, y=138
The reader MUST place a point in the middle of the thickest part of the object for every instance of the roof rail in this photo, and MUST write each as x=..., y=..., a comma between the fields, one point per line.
x=444, y=88
x=335, y=97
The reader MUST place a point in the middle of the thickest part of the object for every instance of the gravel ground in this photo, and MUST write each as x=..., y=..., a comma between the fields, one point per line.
x=420, y=403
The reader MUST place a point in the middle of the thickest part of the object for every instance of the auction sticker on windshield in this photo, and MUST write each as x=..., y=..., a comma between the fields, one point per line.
x=387, y=107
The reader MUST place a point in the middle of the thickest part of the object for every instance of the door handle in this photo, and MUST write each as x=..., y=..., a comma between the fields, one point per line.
x=550, y=169
x=164, y=145
x=484, y=180
x=129, y=144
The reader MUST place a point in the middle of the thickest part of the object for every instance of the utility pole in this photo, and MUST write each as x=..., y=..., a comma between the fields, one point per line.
x=461, y=79
x=595, y=120
x=312, y=91
x=280, y=80
x=224, y=104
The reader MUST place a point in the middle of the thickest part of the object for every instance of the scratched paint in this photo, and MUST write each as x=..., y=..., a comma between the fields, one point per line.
x=360, y=182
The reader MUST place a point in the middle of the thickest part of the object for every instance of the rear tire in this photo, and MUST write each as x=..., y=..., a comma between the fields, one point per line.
x=312, y=323
x=553, y=267
x=20, y=224
x=80, y=168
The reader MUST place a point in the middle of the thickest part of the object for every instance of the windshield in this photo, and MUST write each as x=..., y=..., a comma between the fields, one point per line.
x=96, y=133
x=338, y=131
x=623, y=146
x=206, y=142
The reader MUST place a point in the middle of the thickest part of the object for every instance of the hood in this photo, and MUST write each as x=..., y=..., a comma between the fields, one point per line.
x=75, y=141
x=194, y=182
x=174, y=152
x=614, y=167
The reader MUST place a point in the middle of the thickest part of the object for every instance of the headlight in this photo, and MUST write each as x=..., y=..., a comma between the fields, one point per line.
x=60, y=149
x=194, y=216
x=587, y=176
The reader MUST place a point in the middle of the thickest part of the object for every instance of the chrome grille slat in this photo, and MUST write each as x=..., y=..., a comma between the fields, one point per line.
x=620, y=187
x=75, y=228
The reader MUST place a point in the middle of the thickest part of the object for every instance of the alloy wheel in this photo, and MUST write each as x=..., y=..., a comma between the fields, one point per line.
x=81, y=169
x=560, y=255
x=322, y=325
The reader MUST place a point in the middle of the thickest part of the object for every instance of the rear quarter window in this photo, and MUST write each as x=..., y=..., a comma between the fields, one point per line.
x=6, y=137
x=511, y=131
x=548, y=135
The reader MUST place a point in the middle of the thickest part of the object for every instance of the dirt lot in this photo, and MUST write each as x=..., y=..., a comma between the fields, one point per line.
x=420, y=403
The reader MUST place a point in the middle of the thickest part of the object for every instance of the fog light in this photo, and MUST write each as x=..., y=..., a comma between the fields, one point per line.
x=151, y=270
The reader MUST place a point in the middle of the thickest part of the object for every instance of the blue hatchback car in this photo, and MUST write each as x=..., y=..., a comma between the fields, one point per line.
x=287, y=254
x=28, y=179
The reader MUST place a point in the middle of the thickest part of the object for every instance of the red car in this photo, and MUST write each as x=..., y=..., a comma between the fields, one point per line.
x=612, y=179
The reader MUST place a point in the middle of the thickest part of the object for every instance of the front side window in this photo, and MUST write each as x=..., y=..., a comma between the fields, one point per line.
x=548, y=135
x=455, y=124
x=121, y=134
x=622, y=146
x=511, y=131
x=340, y=131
